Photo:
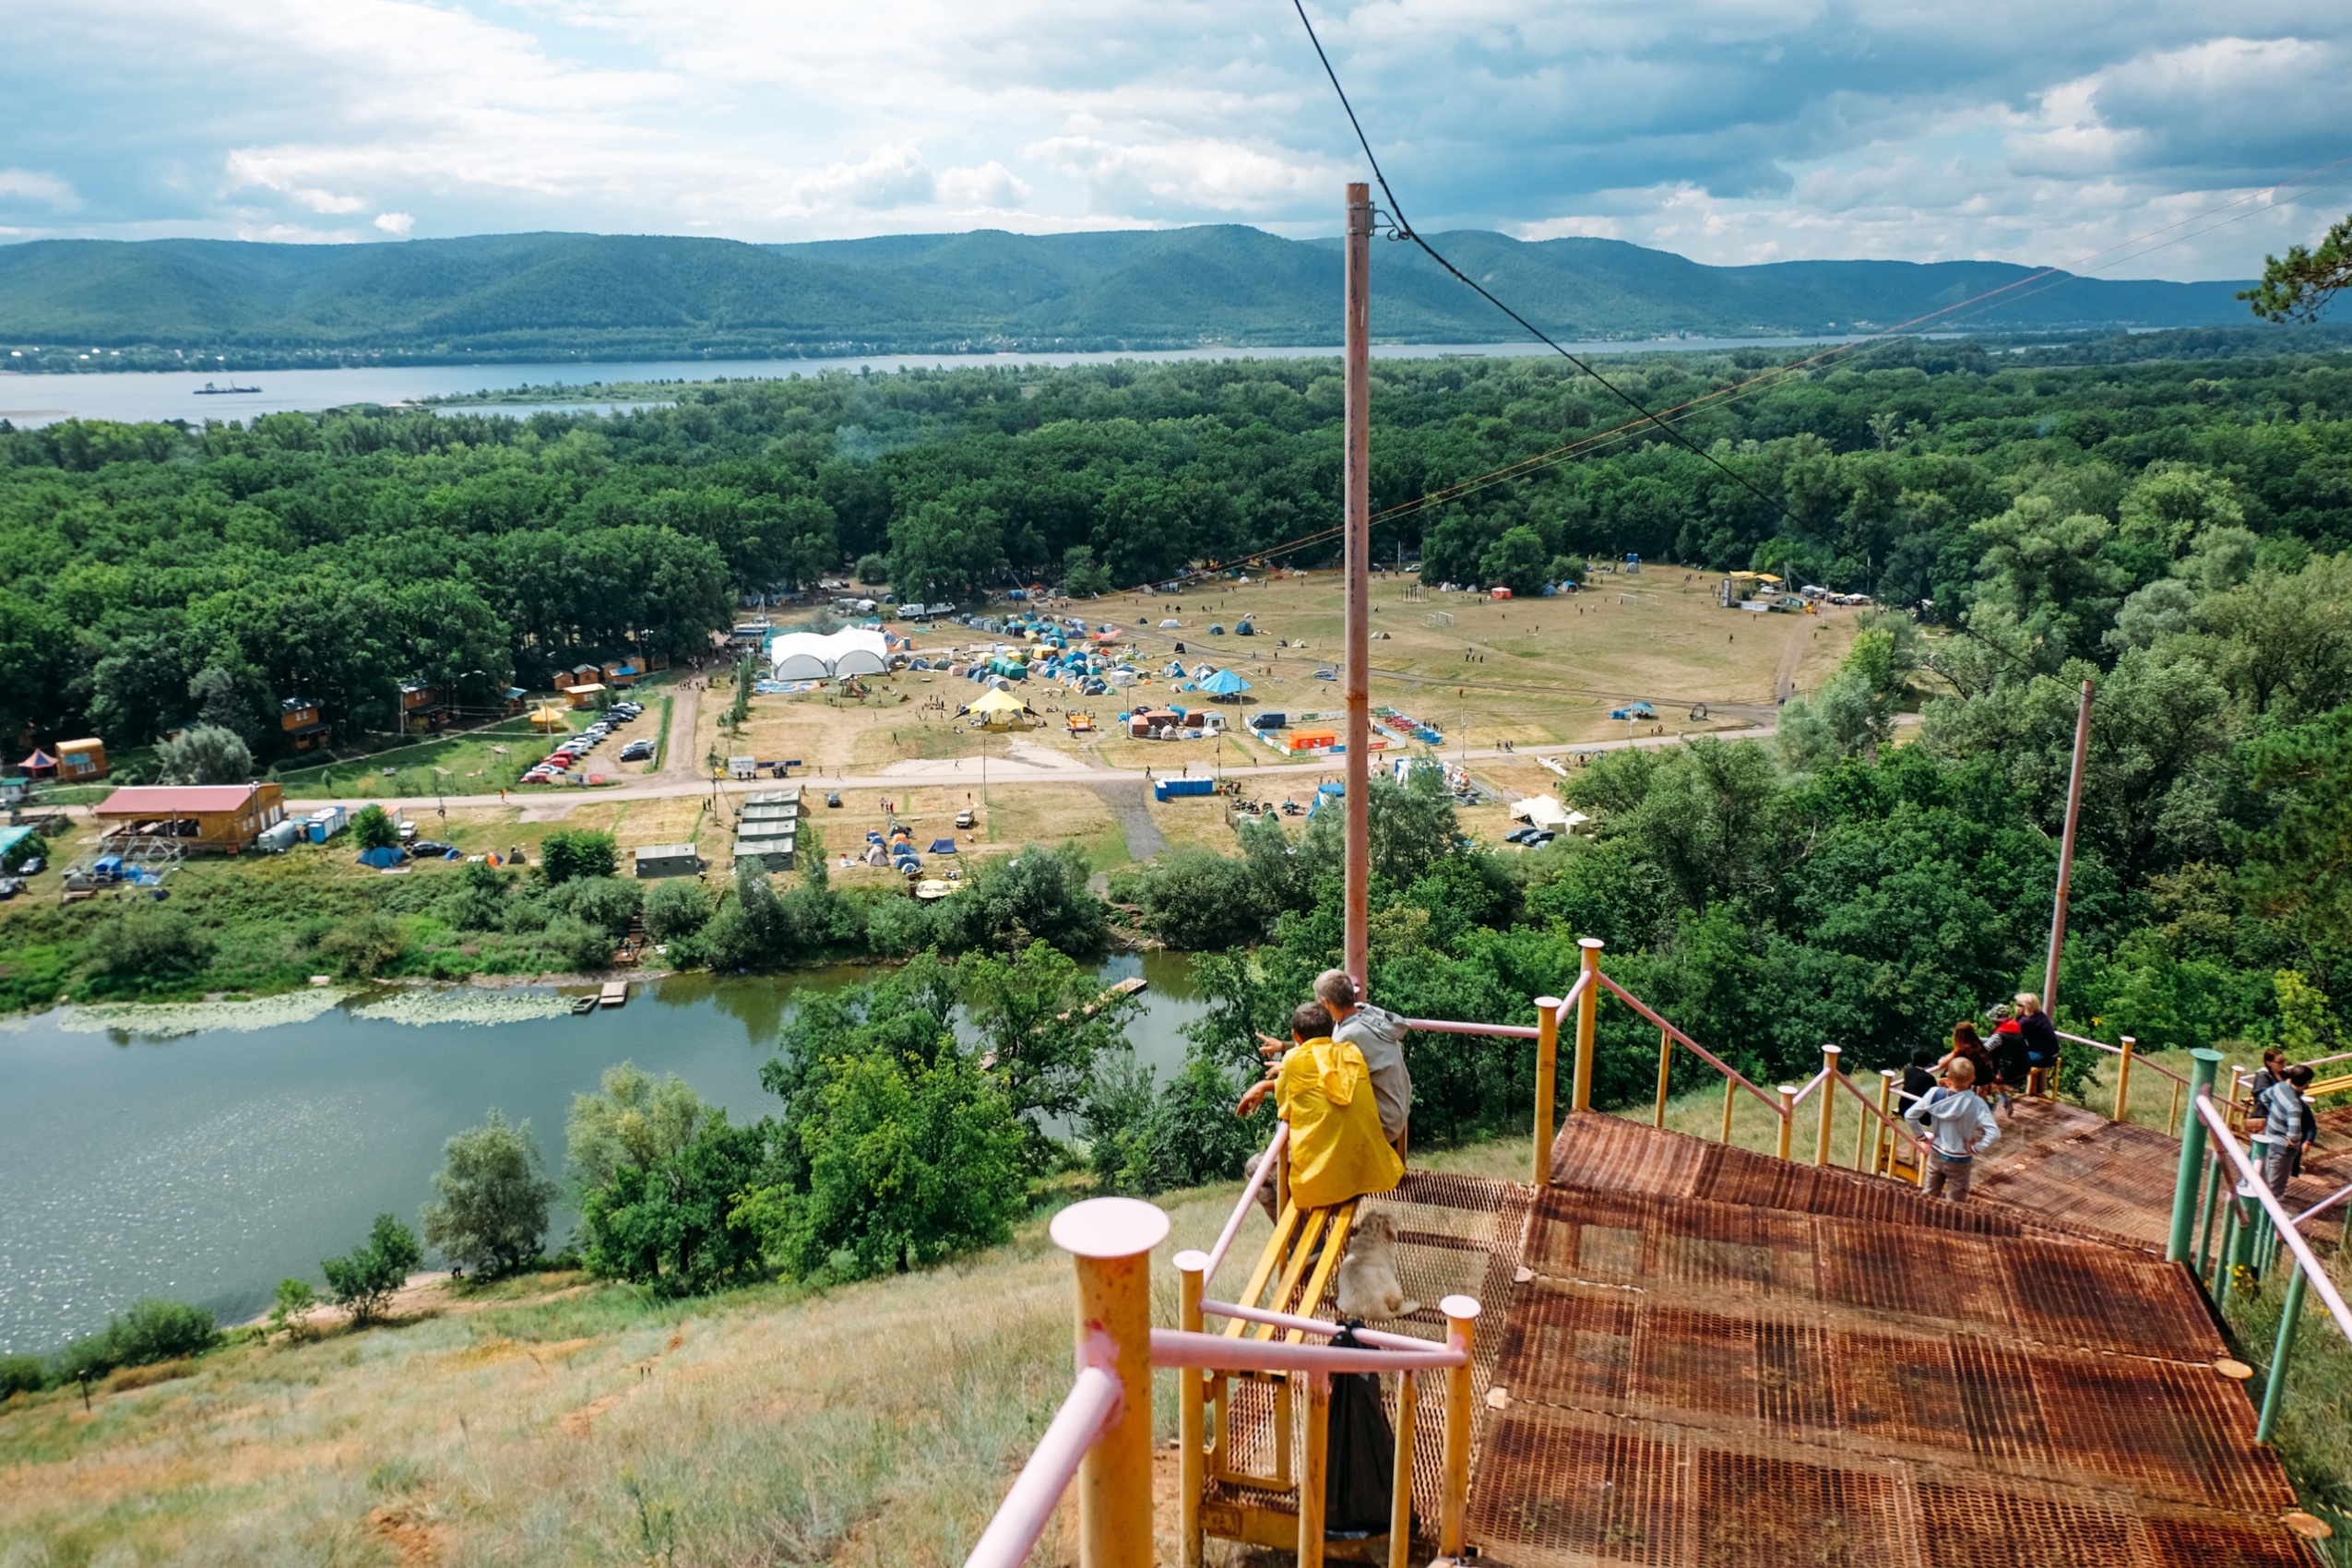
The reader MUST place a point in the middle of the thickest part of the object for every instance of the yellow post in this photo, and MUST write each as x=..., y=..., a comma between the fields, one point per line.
x=1665, y=1065
x=2172, y=1116
x=1111, y=1240
x=1192, y=1388
x=1547, y=1070
x=1867, y=1132
x=2123, y=1082
x=1400, y=1504
x=1311, y=1482
x=1461, y=1320
x=1587, y=1013
x=1787, y=1118
x=1731, y=1087
x=1829, y=1054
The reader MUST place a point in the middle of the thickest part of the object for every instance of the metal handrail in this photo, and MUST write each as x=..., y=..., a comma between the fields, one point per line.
x=1855, y=1090
x=1449, y=1026
x=1214, y=1352
x=1810, y=1085
x=1323, y=1326
x=2117, y=1051
x=1258, y=1180
x=1093, y=1404
x=2326, y=1204
x=1701, y=1051
x=2305, y=1259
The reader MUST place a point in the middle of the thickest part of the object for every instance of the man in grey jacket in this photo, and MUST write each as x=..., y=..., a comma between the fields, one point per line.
x=1957, y=1123
x=2282, y=1108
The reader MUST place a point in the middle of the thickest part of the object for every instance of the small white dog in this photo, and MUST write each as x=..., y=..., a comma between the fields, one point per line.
x=1368, y=1287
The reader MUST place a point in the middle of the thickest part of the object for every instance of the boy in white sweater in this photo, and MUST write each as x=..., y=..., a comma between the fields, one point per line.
x=1955, y=1123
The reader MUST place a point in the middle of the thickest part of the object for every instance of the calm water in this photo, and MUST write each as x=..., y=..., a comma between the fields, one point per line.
x=30, y=400
x=210, y=1166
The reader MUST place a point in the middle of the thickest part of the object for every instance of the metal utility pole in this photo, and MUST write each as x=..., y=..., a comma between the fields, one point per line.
x=2066, y=855
x=1357, y=470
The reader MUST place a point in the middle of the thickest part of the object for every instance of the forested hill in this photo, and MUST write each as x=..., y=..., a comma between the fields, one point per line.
x=522, y=296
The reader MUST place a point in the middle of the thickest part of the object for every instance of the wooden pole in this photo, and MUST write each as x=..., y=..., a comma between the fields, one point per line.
x=2172, y=1112
x=1400, y=1502
x=1191, y=1272
x=1547, y=1074
x=1312, y=1481
x=2123, y=1083
x=1873, y=1131
x=1356, y=473
x=1787, y=1117
x=1731, y=1087
x=1461, y=1323
x=1111, y=1240
x=1665, y=1066
x=1829, y=1054
x=2066, y=855
x=1587, y=1015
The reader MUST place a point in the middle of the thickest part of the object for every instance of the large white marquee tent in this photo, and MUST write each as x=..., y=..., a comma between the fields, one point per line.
x=805, y=656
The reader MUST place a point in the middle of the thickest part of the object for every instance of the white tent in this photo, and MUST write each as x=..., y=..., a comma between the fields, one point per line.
x=805, y=656
x=1544, y=812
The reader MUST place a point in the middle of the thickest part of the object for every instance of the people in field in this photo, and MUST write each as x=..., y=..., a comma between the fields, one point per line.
x=2285, y=1125
x=1322, y=1088
x=1955, y=1124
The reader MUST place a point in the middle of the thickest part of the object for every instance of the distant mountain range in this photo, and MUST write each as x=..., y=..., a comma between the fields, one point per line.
x=605, y=296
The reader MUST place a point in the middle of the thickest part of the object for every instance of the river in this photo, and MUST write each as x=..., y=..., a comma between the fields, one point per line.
x=31, y=400
x=208, y=1166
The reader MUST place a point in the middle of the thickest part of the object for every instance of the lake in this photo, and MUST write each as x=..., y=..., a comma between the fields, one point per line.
x=208, y=1167
x=130, y=396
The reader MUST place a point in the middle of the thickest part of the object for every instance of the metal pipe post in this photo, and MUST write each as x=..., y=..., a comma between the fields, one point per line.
x=2282, y=1346
x=1547, y=1074
x=2203, y=1062
x=1400, y=1485
x=1356, y=466
x=1192, y=1386
x=1112, y=1238
x=1787, y=1118
x=1587, y=1015
x=2066, y=855
x=1731, y=1087
x=1829, y=1054
x=2123, y=1082
x=1461, y=1324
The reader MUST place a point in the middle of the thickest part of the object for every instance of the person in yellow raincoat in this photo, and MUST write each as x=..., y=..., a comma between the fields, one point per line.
x=1323, y=1089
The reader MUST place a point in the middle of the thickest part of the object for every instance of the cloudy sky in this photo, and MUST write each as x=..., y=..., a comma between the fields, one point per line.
x=1728, y=130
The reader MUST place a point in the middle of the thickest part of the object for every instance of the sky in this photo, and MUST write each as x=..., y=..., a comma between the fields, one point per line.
x=2037, y=131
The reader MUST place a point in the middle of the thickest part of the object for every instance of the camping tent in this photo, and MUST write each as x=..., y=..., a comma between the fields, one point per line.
x=1543, y=812
x=1224, y=683
x=40, y=764
x=550, y=716
x=1000, y=710
x=942, y=845
x=384, y=857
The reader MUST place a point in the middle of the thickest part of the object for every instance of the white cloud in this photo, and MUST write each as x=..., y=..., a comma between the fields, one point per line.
x=992, y=185
x=395, y=223
x=891, y=175
x=31, y=185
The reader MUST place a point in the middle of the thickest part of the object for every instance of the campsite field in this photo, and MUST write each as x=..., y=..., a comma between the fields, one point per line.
x=1529, y=672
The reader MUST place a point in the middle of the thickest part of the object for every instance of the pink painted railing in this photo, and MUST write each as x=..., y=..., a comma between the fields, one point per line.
x=1021, y=1519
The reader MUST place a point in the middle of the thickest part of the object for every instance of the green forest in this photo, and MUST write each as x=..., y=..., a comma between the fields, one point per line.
x=2170, y=528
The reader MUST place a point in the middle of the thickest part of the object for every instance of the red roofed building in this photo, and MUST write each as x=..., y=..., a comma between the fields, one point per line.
x=226, y=817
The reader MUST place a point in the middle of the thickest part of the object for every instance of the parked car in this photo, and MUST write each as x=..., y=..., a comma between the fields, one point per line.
x=33, y=865
x=1518, y=836
x=10, y=887
x=833, y=797
x=637, y=751
x=965, y=818
x=1539, y=839
x=430, y=847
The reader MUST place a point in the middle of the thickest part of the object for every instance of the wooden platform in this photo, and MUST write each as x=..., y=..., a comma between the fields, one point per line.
x=1720, y=1358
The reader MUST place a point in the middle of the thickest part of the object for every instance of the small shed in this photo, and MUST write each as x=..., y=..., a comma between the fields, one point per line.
x=583, y=694
x=79, y=761
x=667, y=860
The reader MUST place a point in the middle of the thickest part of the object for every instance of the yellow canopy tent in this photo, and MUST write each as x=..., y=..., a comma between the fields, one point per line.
x=1000, y=710
x=550, y=716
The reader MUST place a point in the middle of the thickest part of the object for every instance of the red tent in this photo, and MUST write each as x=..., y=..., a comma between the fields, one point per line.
x=40, y=764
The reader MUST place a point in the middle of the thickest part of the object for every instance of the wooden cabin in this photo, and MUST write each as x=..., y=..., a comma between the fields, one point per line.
x=225, y=818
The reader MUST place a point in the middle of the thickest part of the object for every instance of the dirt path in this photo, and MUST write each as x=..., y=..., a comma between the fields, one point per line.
x=1792, y=654
x=1144, y=837
x=679, y=764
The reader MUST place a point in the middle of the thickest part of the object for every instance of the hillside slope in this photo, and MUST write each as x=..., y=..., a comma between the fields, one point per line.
x=508, y=296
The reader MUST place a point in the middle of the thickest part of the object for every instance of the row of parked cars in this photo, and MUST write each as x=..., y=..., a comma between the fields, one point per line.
x=551, y=768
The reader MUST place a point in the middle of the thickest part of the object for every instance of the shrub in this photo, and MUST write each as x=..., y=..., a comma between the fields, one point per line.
x=22, y=1374
x=289, y=1314
x=204, y=753
x=672, y=1226
x=363, y=1280
x=607, y=902
x=147, y=946
x=148, y=1332
x=1202, y=901
x=1186, y=1135
x=492, y=1214
x=577, y=945
x=1039, y=894
x=566, y=854
x=674, y=909
x=373, y=828
x=362, y=945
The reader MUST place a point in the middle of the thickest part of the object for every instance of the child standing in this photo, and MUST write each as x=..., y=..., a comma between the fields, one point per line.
x=1955, y=1124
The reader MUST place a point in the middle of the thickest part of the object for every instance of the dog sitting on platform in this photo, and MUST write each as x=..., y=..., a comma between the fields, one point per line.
x=1367, y=1287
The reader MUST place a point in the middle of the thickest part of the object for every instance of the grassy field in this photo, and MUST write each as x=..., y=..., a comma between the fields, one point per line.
x=554, y=1420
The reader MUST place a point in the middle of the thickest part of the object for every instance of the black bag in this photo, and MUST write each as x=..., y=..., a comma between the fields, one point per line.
x=1360, y=1472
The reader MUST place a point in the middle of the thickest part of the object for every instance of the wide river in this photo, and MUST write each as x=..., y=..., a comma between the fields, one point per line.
x=31, y=400
x=208, y=1166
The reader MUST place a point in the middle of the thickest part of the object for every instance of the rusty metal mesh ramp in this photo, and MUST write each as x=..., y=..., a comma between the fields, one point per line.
x=1611, y=1153
x=2074, y=1166
x=1455, y=1235
x=1692, y=1380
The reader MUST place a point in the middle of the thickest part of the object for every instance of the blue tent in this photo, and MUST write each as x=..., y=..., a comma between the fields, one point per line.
x=383, y=857
x=942, y=845
x=1224, y=683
